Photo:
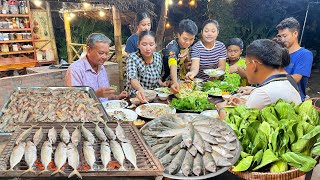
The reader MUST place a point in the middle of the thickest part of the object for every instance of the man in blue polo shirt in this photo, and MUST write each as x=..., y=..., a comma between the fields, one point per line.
x=301, y=58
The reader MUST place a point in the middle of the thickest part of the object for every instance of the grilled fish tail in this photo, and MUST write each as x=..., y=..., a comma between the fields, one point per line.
x=29, y=170
x=75, y=172
x=58, y=171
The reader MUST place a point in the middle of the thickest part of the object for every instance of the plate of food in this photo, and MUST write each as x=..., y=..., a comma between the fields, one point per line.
x=114, y=104
x=214, y=72
x=154, y=110
x=122, y=114
x=165, y=90
x=210, y=113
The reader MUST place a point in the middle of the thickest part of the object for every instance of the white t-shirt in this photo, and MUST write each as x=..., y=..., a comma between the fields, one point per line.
x=270, y=93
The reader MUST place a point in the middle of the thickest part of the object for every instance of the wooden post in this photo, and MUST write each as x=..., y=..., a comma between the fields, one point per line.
x=68, y=35
x=52, y=36
x=162, y=24
x=118, y=39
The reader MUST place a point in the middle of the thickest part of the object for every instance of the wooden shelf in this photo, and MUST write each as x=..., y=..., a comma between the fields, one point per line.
x=45, y=62
x=16, y=63
x=14, y=15
x=16, y=52
x=16, y=41
x=11, y=29
x=42, y=40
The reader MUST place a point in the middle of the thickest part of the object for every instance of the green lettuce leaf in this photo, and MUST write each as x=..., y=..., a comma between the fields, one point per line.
x=244, y=164
x=279, y=166
x=267, y=158
x=300, y=161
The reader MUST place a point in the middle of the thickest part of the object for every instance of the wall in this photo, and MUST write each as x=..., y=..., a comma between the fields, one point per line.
x=53, y=78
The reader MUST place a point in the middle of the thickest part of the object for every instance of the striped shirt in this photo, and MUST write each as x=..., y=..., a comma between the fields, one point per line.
x=209, y=58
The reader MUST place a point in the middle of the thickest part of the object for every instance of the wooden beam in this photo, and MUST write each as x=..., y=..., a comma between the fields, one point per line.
x=161, y=24
x=68, y=35
x=51, y=32
x=118, y=39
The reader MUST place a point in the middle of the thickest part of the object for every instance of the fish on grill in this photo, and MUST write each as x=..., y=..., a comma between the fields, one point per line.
x=99, y=132
x=24, y=135
x=130, y=154
x=73, y=159
x=89, y=154
x=117, y=153
x=16, y=155
x=38, y=136
x=64, y=134
x=30, y=156
x=88, y=136
x=45, y=155
x=109, y=132
x=60, y=157
x=76, y=136
x=121, y=135
x=52, y=135
x=105, y=154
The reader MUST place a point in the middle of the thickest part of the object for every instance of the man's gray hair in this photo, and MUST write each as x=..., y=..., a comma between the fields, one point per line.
x=97, y=38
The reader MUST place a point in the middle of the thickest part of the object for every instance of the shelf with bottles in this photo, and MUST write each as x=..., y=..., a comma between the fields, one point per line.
x=14, y=7
x=17, y=48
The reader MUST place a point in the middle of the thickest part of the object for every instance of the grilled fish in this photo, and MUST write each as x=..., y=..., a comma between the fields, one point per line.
x=89, y=155
x=52, y=135
x=24, y=135
x=105, y=154
x=110, y=134
x=187, y=164
x=165, y=160
x=176, y=163
x=99, y=133
x=121, y=135
x=187, y=136
x=64, y=134
x=87, y=134
x=170, y=124
x=197, y=165
x=60, y=157
x=130, y=154
x=175, y=149
x=38, y=136
x=208, y=138
x=76, y=136
x=117, y=153
x=30, y=156
x=209, y=163
x=171, y=132
x=174, y=141
x=198, y=142
x=46, y=152
x=220, y=161
x=73, y=159
x=16, y=155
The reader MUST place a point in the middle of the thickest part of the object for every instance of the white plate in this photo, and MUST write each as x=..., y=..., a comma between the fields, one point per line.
x=161, y=90
x=210, y=113
x=115, y=104
x=217, y=72
x=130, y=115
x=143, y=109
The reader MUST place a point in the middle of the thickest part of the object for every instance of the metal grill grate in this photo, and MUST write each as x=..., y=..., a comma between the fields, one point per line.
x=146, y=161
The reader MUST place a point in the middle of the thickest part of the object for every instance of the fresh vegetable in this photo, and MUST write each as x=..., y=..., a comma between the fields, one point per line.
x=193, y=103
x=279, y=135
x=230, y=83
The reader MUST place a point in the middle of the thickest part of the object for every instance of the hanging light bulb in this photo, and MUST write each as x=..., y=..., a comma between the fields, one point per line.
x=102, y=13
x=37, y=3
x=69, y=18
x=168, y=25
x=180, y=2
x=192, y=2
x=72, y=15
x=170, y=2
x=86, y=5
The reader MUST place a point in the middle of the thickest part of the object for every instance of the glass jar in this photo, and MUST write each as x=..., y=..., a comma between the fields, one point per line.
x=15, y=47
x=4, y=48
x=13, y=8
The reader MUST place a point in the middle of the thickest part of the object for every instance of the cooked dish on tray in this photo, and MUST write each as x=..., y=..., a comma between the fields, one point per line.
x=122, y=114
x=154, y=110
x=111, y=104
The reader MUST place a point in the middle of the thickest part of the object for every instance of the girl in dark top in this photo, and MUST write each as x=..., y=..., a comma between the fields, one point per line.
x=143, y=23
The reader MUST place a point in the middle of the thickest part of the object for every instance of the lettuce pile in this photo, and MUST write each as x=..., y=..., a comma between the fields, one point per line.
x=276, y=137
x=191, y=103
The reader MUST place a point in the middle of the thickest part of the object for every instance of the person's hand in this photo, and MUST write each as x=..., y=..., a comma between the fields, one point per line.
x=190, y=76
x=221, y=105
x=175, y=87
x=142, y=96
x=123, y=94
x=188, y=65
x=245, y=90
x=233, y=69
x=104, y=92
x=236, y=101
x=164, y=84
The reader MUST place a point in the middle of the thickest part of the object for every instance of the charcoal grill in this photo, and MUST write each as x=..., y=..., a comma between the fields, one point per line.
x=146, y=161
